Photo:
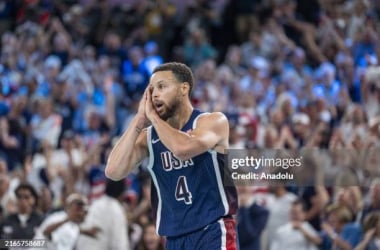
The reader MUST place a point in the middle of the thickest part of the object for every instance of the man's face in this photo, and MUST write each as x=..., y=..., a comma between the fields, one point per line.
x=77, y=211
x=297, y=213
x=166, y=94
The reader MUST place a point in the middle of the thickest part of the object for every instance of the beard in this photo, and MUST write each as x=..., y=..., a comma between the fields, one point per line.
x=169, y=109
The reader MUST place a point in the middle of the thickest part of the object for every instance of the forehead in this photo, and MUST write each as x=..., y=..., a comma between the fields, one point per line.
x=162, y=76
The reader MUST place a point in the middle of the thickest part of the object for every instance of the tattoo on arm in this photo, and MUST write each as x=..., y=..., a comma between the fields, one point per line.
x=138, y=130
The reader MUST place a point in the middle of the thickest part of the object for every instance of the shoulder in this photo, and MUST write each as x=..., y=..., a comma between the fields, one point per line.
x=214, y=117
x=10, y=218
x=37, y=216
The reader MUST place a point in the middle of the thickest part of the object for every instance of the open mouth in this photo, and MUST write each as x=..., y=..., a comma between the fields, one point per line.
x=158, y=106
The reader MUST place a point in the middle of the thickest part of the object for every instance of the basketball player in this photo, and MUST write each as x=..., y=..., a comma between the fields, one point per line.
x=185, y=147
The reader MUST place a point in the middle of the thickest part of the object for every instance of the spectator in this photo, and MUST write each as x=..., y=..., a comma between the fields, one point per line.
x=338, y=231
x=46, y=125
x=252, y=219
x=135, y=72
x=150, y=240
x=196, y=49
x=306, y=77
x=279, y=205
x=13, y=133
x=113, y=233
x=7, y=196
x=371, y=228
x=298, y=233
x=23, y=223
x=61, y=229
x=374, y=199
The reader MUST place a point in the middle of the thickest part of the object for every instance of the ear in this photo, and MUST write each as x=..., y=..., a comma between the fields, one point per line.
x=185, y=88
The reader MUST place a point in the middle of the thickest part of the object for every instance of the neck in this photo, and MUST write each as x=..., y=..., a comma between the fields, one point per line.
x=25, y=212
x=181, y=115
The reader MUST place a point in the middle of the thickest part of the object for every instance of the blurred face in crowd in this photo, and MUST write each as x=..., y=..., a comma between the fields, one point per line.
x=112, y=41
x=277, y=118
x=94, y=120
x=300, y=128
x=338, y=217
x=197, y=37
x=298, y=59
x=25, y=201
x=30, y=44
x=297, y=213
x=77, y=210
x=358, y=115
x=332, y=219
x=233, y=55
x=150, y=238
x=136, y=55
x=45, y=108
x=60, y=42
x=350, y=197
x=8, y=57
x=167, y=93
x=255, y=38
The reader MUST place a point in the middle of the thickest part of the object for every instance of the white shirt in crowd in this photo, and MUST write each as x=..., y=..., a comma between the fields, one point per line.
x=107, y=214
x=287, y=237
x=64, y=237
x=279, y=210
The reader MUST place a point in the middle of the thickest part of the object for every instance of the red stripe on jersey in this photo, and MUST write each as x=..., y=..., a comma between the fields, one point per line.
x=231, y=236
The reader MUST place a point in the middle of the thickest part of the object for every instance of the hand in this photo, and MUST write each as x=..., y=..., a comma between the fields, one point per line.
x=141, y=110
x=296, y=225
x=369, y=234
x=91, y=232
x=150, y=112
x=328, y=229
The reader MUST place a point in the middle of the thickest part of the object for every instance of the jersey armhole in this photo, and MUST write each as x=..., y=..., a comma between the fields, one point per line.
x=150, y=146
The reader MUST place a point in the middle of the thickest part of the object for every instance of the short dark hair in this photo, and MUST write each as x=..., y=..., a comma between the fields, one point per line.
x=115, y=188
x=180, y=71
x=300, y=202
x=30, y=188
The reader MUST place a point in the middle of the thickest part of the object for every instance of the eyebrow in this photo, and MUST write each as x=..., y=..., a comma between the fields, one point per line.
x=165, y=80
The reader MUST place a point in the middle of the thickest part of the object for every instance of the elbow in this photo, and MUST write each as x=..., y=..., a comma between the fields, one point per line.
x=181, y=155
x=111, y=173
x=185, y=152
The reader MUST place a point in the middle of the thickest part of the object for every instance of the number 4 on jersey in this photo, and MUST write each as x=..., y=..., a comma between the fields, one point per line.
x=182, y=192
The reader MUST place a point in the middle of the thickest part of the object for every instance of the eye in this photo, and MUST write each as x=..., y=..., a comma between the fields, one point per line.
x=161, y=86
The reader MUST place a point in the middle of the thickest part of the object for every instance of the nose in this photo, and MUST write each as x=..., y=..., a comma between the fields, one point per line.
x=154, y=92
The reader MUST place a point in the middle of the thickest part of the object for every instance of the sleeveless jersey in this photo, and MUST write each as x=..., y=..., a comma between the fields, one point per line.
x=187, y=195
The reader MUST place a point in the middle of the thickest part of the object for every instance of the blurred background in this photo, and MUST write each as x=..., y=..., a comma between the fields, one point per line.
x=287, y=73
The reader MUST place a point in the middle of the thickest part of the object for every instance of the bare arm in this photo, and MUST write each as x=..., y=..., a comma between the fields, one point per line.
x=318, y=201
x=51, y=228
x=314, y=238
x=367, y=238
x=131, y=148
x=128, y=152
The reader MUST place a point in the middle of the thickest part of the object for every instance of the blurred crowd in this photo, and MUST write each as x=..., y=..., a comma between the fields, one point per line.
x=288, y=74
